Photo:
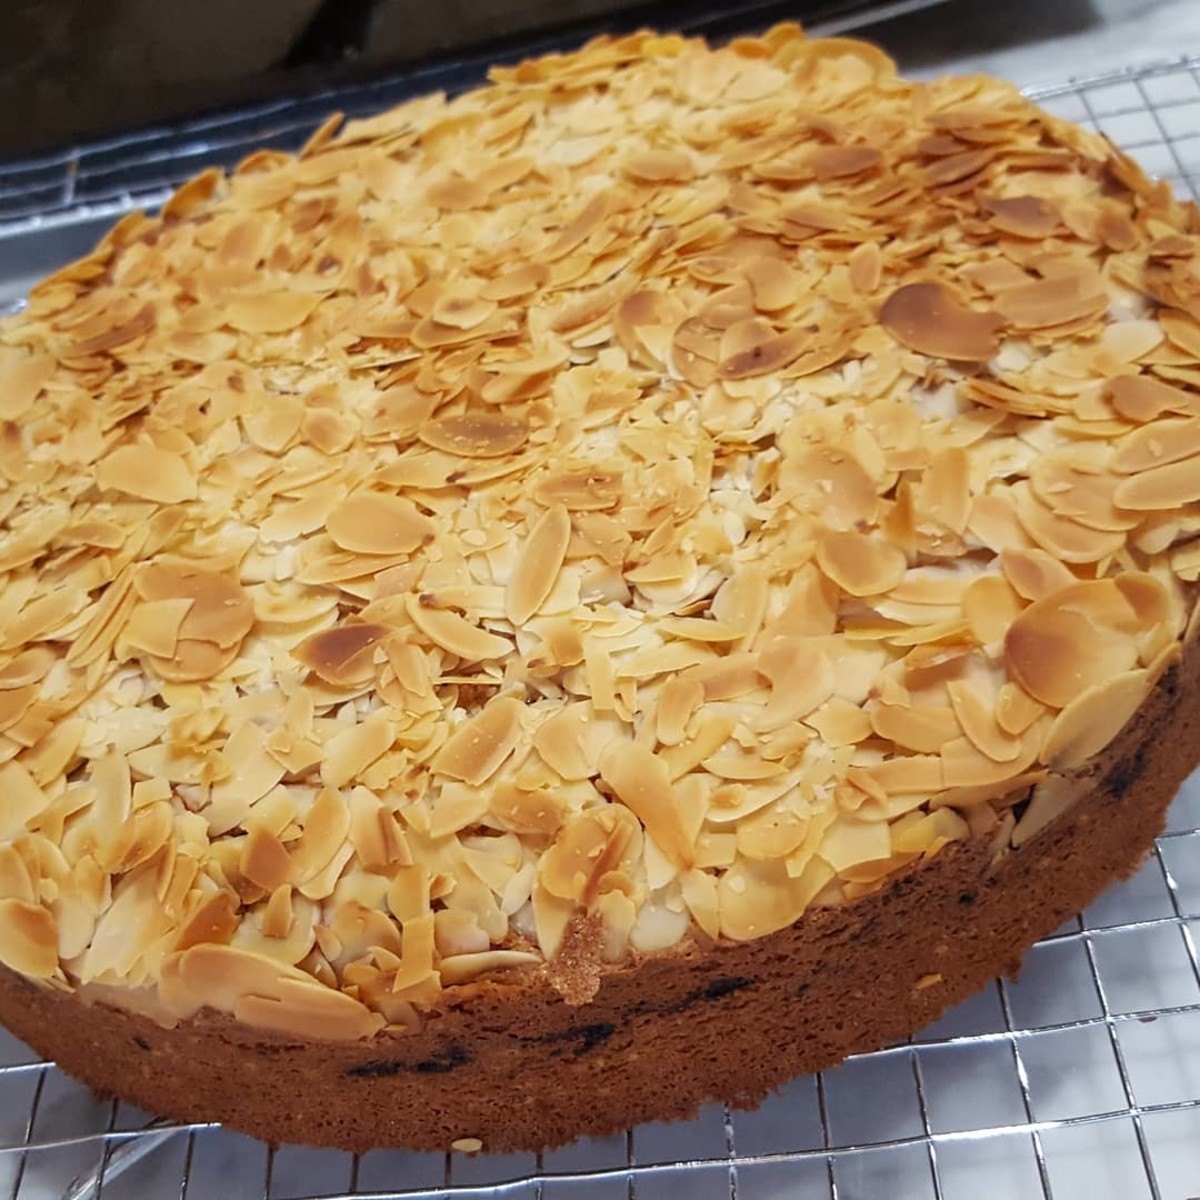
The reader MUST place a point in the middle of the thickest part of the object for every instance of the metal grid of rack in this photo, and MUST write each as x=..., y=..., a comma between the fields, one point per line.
x=1080, y=1080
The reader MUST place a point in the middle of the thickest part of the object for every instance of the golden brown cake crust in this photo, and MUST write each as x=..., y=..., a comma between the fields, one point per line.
x=518, y=1069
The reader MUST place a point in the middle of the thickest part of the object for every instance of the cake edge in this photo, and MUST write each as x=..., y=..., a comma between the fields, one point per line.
x=514, y=1066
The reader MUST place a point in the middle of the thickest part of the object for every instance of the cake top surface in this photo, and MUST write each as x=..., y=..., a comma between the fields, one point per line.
x=634, y=502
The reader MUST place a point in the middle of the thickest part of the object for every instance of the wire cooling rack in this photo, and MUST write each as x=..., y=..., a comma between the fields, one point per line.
x=1080, y=1081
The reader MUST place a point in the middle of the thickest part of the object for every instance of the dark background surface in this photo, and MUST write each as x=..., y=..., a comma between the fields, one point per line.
x=71, y=70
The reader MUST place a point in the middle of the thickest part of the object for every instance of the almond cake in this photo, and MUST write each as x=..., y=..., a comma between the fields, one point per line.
x=556, y=605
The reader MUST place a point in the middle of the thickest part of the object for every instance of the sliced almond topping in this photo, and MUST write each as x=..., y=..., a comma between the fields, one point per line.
x=1160, y=488
x=1092, y=719
x=147, y=472
x=641, y=780
x=660, y=166
x=929, y=318
x=270, y=312
x=452, y=632
x=348, y=754
x=475, y=751
x=1063, y=644
x=978, y=721
x=28, y=939
x=378, y=523
x=540, y=560
x=344, y=655
x=859, y=564
x=802, y=678
x=478, y=434
x=1022, y=216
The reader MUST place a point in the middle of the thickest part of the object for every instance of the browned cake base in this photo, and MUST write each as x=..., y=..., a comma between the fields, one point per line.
x=518, y=1068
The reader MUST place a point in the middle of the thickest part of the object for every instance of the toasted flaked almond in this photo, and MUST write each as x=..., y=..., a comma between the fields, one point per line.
x=325, y=829
x=1093, y=718
x=859, y=564
x=1064, y=643
x=1144, y=398
x=923, y=729
x=1160, y=488
x=1016, y=709
x=1156, y=445
x=756, y=899
x=538, y=564
x=1033, y=574
x=678, y=699
x=154, y=625
x=147, y=472
x=929, y=318
x=28, y=939
x=977, y=718
x=378, y=523
x=265, y=861
x=642, y=781
x=479, y=434
x=22, y=377
x=1022, y=216
x=270, y=312
x=349, y=753
x=1050, y=799
x=902, y=775
x=452, y=632
x=478, y=747
x=660, y=166
x=990, y=605
x=343, y=655
x=801, y=676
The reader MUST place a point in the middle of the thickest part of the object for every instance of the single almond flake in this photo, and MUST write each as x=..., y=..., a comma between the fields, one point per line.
x=660, y=166
x=642, y=781
x=1022, y=216
x=1143, y=398
x=154, y=625
x=1157, y=444
x=475, y=751
x=1160, y=488
x=902, y=775
x=1033, y=573
x=859, y=564
x=369, y=522
x=802, y=678
x=456, y=634
x=538, y=564
x=1093, y=718
x=1062, y=644
x=270, y=312
x=28, y=939
x=147, y=472
x=22, y=377
x=929, y=318
x=924, y=729
x=349, y=753
x=977, y=719
x=265, y=861
x=343, y=655
x=477, y=434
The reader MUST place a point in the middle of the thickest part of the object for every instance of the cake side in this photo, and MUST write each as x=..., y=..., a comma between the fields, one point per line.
x=516, y=1068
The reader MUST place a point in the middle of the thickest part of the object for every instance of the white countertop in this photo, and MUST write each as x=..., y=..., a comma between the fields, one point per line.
x=1036, y=42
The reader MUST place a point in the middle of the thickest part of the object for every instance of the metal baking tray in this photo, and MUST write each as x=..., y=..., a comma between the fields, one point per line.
x=1079, y=1082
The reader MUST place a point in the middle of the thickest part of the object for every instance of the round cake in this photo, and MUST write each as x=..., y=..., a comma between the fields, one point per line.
x=550, y=607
